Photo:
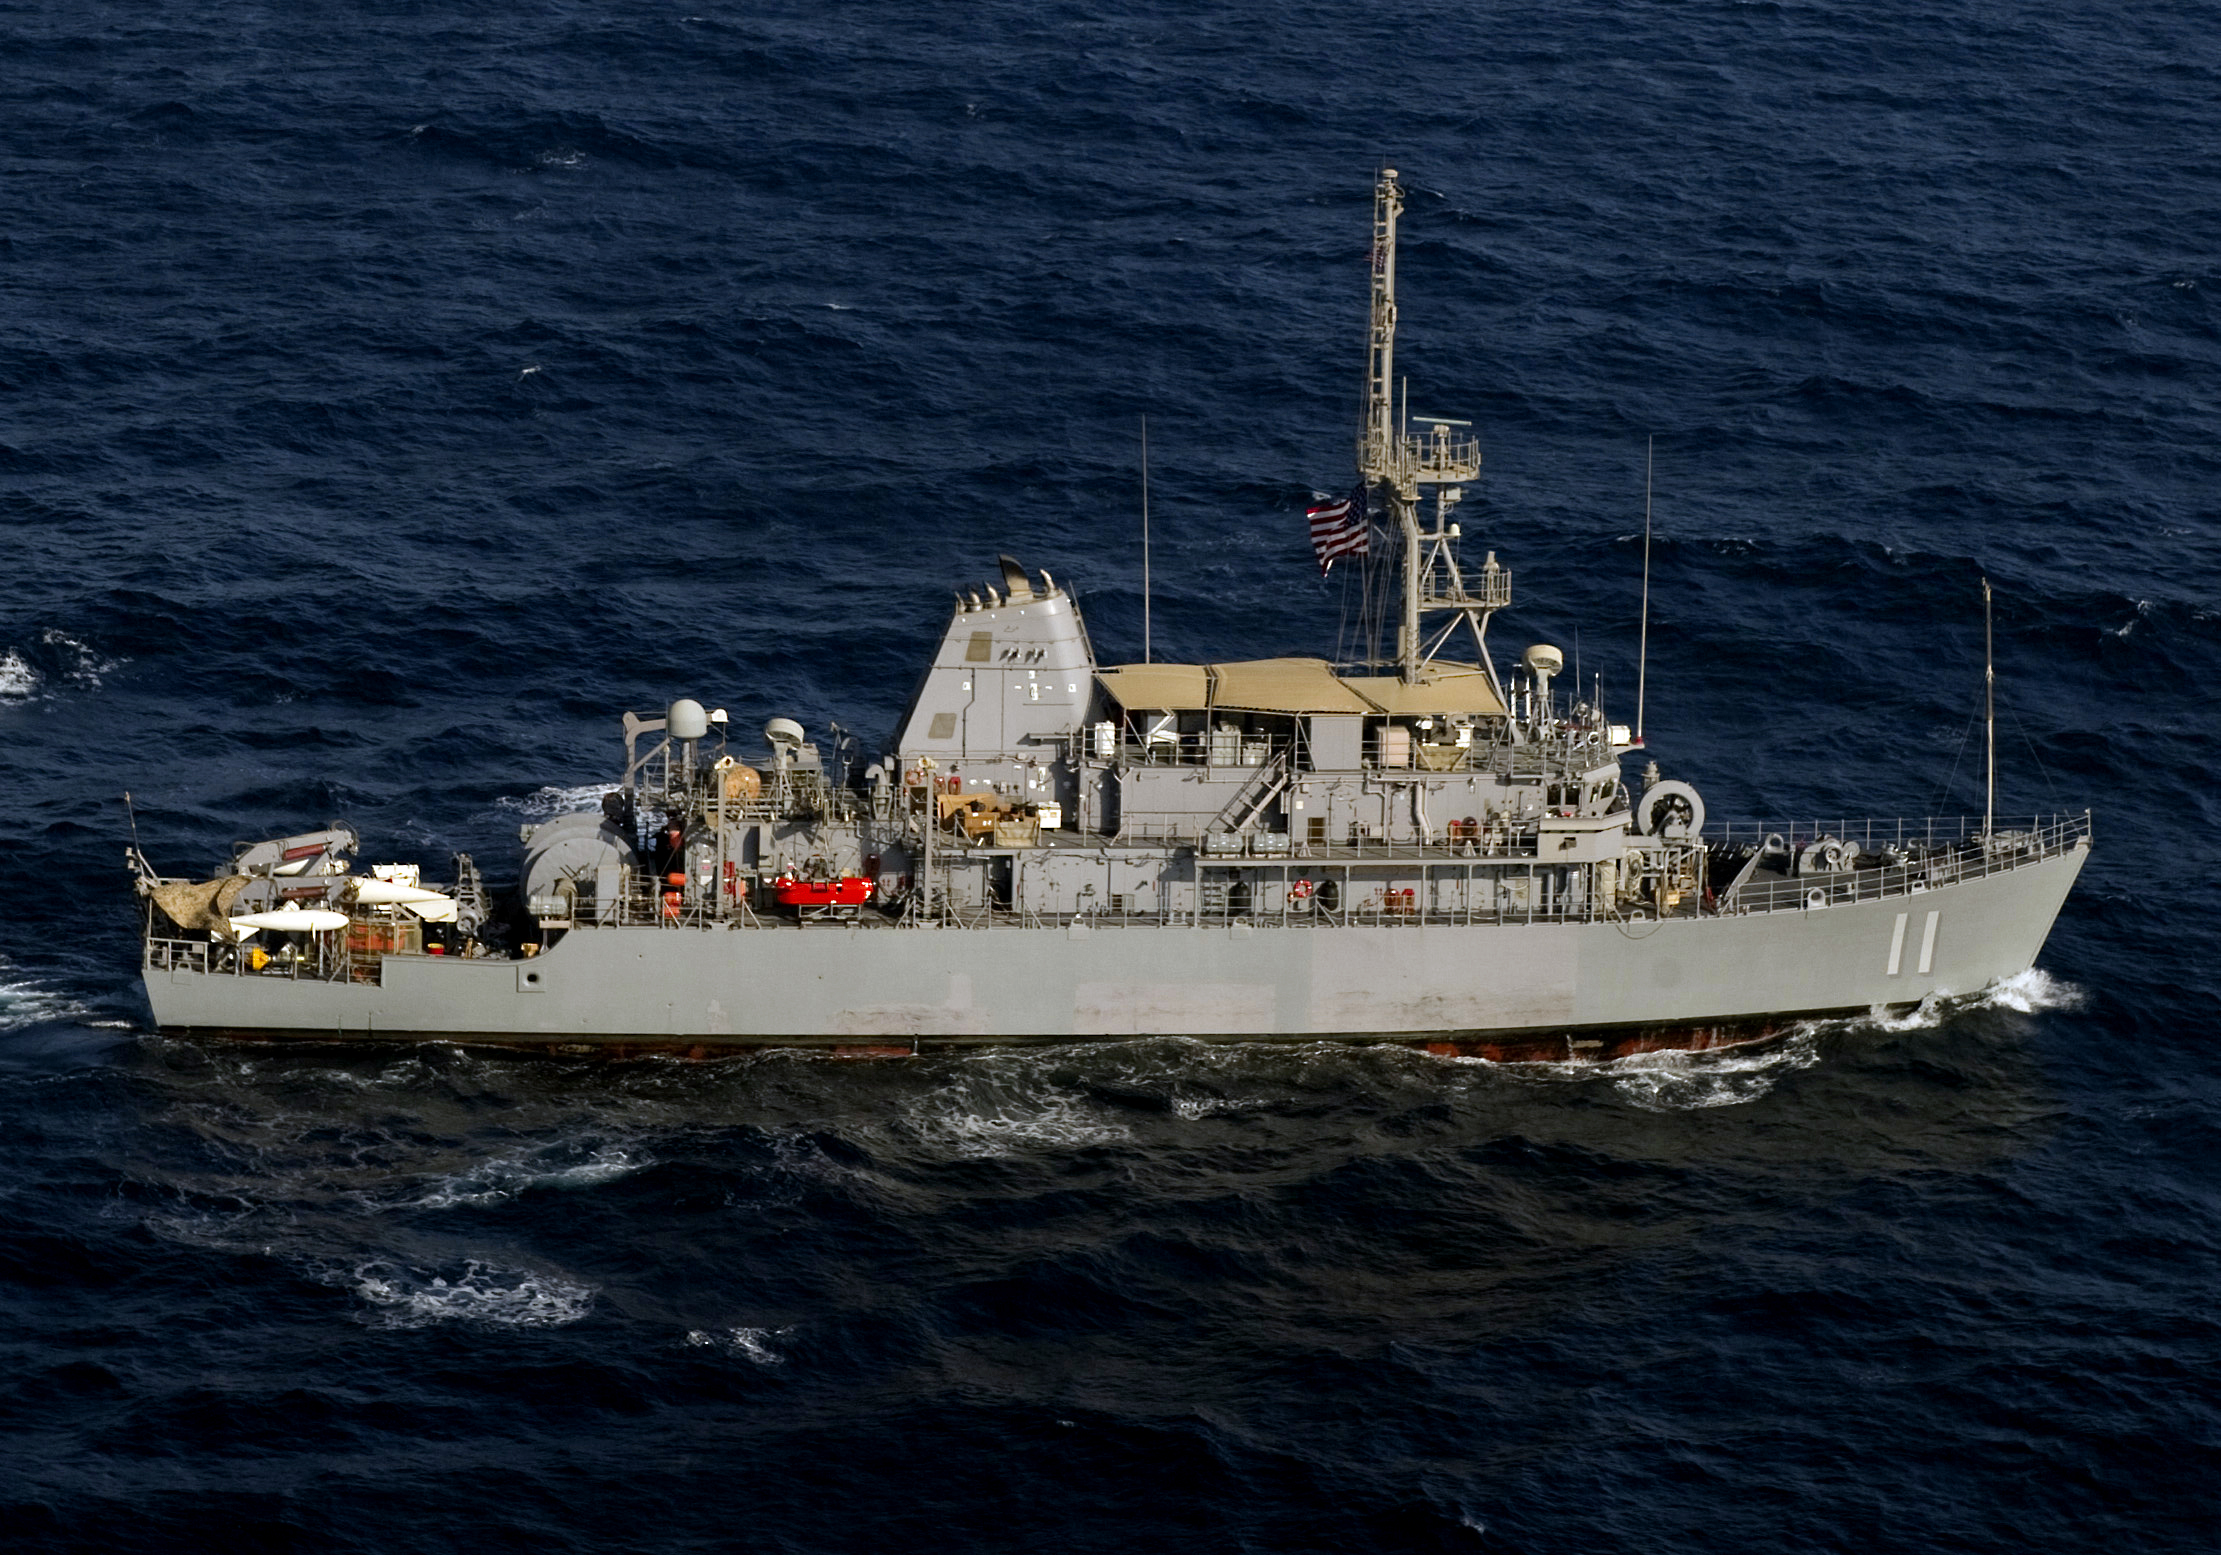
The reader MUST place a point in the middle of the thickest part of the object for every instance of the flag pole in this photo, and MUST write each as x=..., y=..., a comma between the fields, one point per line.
x=1642, y=652
x=1145, y=658
x=1989, y=719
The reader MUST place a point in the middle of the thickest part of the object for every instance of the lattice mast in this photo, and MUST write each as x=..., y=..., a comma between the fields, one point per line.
x=1398, y=464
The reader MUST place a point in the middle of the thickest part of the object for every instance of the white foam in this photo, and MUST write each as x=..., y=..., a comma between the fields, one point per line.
x=1722, y=1077
x=24, y=1003
x=2028, y=992
x=18, y=681
x=1676, y=1079
x=508, y=1298
x=750, y=1344
x=1193, y=1108
x=492, y=1182
x=552, y=801
x=1013, y=1125
x=82, y=666
x=1003, y=1104
x=2024, y=993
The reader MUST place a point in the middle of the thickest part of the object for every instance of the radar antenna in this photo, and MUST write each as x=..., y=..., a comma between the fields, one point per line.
x=1389, y=457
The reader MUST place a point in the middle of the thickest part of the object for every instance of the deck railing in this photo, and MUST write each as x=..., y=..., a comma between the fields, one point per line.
x=1934, y=854
x=1928, y=855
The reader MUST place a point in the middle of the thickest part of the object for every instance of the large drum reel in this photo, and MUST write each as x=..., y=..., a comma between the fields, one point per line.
x=1669, y=809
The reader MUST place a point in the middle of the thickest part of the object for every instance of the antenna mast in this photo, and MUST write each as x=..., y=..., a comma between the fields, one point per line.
x=1398, y=463
x=1642, y=653
x=1145, y=540
x=1989, y=715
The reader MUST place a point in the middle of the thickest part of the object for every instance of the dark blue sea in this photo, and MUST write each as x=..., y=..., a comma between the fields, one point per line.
x=392, y=394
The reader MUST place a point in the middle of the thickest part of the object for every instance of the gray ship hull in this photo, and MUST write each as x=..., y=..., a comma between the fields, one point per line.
x=1508, y=989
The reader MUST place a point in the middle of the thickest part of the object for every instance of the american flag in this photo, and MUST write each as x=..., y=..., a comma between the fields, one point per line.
x=1338, y=527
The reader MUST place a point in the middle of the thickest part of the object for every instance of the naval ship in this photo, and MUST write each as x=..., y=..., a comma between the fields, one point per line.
x=1415, y=847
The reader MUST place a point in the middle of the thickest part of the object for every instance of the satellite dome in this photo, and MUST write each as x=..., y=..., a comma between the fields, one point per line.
x=685, y=720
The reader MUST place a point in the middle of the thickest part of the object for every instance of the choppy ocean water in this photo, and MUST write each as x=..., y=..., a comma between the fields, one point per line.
x=394, y=395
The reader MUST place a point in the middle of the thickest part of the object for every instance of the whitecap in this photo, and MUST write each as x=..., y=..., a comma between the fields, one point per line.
x=1194, y=1108
x=552, y=800
x=749, y=1344
x=81, y=665
x=18, y=681
x=1720, y=1077
x=24, y=1003
x=400, y=1297
x=1013, y=1125
x=2028, y=993
x=492, y=1182
x=2024, y=993
x=1002, y=1104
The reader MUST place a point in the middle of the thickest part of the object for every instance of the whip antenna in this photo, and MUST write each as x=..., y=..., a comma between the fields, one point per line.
x=1145, y=540
x=1642, y=652
x=1989, y=716
x=136, y=857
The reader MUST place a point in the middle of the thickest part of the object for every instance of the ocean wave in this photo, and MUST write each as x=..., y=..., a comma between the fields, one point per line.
x=481, y=1295
x=2024, y=993
x=749, y=1344
x=1194, y=1108
x=80, y=665
x=25, y=1003
x=1727, y=1077
x=496, y=1181
x=1006, y=1106
x=19, y=682
x=550, y=801
x=58, y=657
x=1722, y=1077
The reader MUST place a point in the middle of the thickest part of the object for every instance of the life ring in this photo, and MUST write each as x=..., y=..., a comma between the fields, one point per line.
x=913, y=777
x=1300, y=891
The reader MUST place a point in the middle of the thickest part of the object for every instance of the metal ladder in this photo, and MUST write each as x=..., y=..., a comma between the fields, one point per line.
x=1258, y=792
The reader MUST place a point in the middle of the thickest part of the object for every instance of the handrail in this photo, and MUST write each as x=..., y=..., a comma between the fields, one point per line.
x=1956, y=855
x=1873, y=835
x=1933, y=866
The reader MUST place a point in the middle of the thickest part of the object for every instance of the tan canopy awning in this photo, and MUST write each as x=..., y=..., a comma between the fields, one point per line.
x=1297, y=686
x=1442, y=691
x=1282, y=686
x=1163, y=688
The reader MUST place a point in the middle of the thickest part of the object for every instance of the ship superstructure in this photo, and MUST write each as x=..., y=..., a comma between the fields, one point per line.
x=1415, y=848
